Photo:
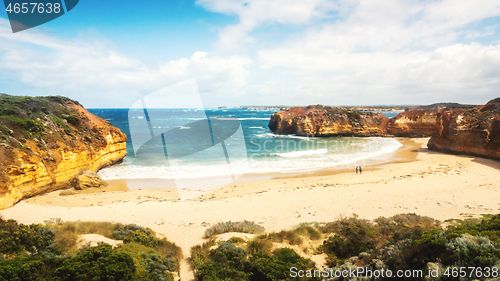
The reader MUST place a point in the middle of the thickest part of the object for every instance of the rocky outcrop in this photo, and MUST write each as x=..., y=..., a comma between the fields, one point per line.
x=334, y=121
x=327, y=121
x=87, y=180
x=45, y=142
x=414, y=123
x=473, y=131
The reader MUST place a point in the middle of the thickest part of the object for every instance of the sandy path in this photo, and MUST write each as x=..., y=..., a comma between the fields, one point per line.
x=437, y=185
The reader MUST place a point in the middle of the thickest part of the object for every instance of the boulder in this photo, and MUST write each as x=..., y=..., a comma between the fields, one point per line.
x=88, y=179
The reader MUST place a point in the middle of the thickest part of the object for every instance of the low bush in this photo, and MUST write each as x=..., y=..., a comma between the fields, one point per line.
x=18, y=239
x=240, y=226
x=67, y=233
x=259, y=245
x=97, y=263
x=35, y=252
x=229, y=262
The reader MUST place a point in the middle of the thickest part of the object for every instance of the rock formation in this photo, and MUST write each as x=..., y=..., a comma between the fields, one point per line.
x=454, y=128
x=334, y=121
x=417, y=122
x=45, y=142
x=87, y=180
x=473, y=131
x=327, y=121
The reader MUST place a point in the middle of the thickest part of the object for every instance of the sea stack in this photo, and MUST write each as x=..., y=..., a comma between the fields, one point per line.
x=324, y=121
x=47, y=142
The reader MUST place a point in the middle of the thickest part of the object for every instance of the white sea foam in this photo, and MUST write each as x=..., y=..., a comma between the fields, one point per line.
x=272, y=135
x=296, y=161
x=252, y=118
x=302, y=153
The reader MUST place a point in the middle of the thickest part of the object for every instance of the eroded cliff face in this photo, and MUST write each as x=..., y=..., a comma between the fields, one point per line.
x=327, y=121
x=45, y=142
x=473, y=131
x=334, y=121
x=414, y=123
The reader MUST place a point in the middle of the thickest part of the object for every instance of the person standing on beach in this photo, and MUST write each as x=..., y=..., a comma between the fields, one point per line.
x=360, y=170
x=357, y=169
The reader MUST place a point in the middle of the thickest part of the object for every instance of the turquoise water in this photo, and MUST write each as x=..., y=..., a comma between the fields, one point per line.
x=191, y=143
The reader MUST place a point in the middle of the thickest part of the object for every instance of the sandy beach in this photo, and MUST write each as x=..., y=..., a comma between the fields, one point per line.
x=415, y=180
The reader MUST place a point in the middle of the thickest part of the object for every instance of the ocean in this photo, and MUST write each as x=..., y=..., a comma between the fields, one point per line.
x=193, y=143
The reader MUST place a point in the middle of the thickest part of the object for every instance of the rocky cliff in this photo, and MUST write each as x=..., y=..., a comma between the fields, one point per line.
x=46, y=142
x=334, y=121
x=416, y=122
x=419, y=121
x=473, y=131
x=327, y=121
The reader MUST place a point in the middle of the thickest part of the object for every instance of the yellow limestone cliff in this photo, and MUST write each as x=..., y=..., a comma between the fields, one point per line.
x=46, y=142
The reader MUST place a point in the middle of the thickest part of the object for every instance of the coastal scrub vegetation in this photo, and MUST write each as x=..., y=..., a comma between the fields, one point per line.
x=43, y=120
x=256, y=259
x=27, y=115
x=413, y=242
x=50, y=252
x=400, y=242
x=228, y=261
x=229, y=226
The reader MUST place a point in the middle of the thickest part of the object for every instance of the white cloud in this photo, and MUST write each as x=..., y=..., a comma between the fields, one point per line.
x=92, y=70
x=392, y=52
x=254, y=13
x=341, y=52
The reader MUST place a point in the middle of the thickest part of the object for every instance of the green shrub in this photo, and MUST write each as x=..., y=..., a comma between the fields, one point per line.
x=226, y=262
x=155, y=259
x=28, y=268
x=32, y=252
x=259, y=245
x=16, y=239
x=72, y=119
x=156, y=267
x=468, y=250
x=277, y=266
x=292, y=237
x=353, y=236
x=236, y=240
x=123, y=232
x=67, y=233
x=229, y=262
x=97, y=263
x=308, y=231
x=240, y=226
x=403, y=226
x=27, y=125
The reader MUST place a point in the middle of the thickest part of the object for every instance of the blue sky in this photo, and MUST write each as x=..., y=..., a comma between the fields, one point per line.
x=156, y=29
x=261, y=52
